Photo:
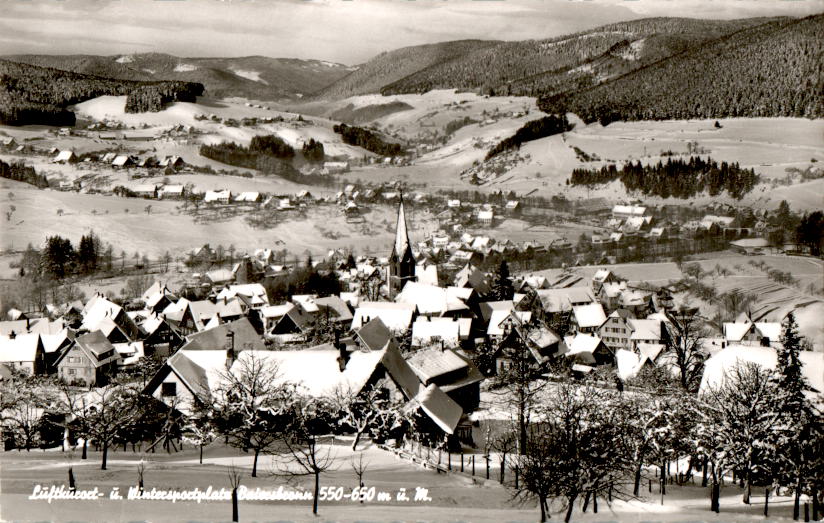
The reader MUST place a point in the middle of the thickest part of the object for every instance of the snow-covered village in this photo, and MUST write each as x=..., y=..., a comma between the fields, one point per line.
x=555, y=390
x=375, y=260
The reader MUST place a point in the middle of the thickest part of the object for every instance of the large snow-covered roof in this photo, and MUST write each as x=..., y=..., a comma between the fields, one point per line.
x=561, y=300
x=431, y=363
x=736, y=331
x=396, y=316
x=442, y=409
x=429, y=299
x=590, y=315
x=719, y=365
x=317, y=370
x=21, y=348
x=425, y=330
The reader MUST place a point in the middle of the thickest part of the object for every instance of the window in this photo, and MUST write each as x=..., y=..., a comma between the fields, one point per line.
x=168, y=389
x=70, y=372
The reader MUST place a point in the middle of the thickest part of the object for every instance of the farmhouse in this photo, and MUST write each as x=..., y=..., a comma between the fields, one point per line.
x=765, y=334
x=248, y=197
x=750, y=246
x=65, y=157
x=89, y=362
x=172, y=192
x=148, y=190
x=223, y=196
x=24, y=353
x=122, y=161
x=173, y=162
x=335, y=167
x=628, y=211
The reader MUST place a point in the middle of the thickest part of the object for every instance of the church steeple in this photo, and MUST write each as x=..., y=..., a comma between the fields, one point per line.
x=402, y=261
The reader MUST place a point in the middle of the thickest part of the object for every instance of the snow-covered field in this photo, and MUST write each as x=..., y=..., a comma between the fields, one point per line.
x=454, y=497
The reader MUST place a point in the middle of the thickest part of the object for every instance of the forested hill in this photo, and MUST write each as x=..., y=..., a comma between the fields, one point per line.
x=39, y=95
x=534, y=67
x=252, y=77
x=392, y=66
x=775, y=69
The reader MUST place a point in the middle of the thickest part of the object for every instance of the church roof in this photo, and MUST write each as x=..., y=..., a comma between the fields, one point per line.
x=402, y=244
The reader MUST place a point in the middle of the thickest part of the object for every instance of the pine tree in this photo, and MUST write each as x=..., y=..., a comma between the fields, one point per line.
x=801, y=425
x=502, y=288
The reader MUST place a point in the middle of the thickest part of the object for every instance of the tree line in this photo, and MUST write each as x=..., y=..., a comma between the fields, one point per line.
x=676, y=178
x=31, y=94
x=532, y=130
x=20, y=172
x=59, y=258
x=360, y=137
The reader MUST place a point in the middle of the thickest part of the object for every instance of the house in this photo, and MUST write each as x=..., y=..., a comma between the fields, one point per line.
x=452, y=372
x=373, y=336
x=8, y=142
x=223, y=196
x=601, y=277
x=293, y=326
x=750, y=246
x=542, y=343
x=616, y=331
x=172, y=162
x=443, y=332
x=147, y=162
x=453, y=204
x=218, y=277
x=647, y=332
x=322, y=371
x=90, y=361
x=255, y=292
x=335, y=167
x=237, y=335
x=148, y=190
x=502, y=319
x=555, y=301
x=396, y=316
x=628, y=211
x=172, y=192
x=65, y=157
x=110, y=319
x=431, y=300
x=765, y=334
x=335, y=309
x=23, y=353
x=587, y=318
x=485, y=217
x=718, y=367
x=123, y=161
x=586, y=349
x=513, y=208
x=248, y=197
x=161, y=339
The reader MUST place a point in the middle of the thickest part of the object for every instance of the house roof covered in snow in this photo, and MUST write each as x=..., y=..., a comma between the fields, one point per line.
x=590, y=315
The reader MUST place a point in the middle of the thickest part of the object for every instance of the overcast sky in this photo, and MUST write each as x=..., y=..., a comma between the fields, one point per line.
x=345, y=31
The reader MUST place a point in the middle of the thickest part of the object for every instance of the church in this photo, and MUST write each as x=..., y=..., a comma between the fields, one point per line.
x=401, y=261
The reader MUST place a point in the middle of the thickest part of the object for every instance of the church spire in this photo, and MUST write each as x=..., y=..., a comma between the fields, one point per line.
x=402, y=261
x=401, y=234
